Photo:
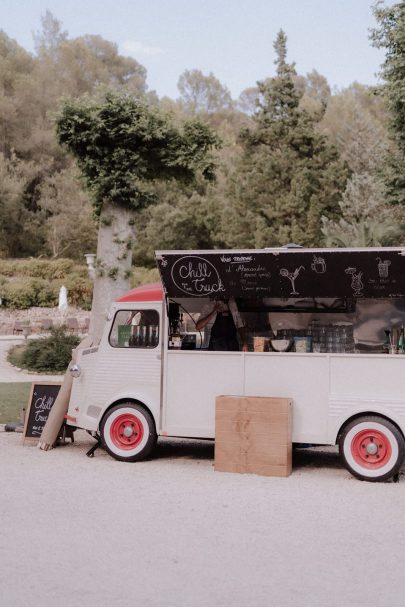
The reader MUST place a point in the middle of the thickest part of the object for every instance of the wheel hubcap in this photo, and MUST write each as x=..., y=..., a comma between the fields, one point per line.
x=371, y=448
x=126, y=431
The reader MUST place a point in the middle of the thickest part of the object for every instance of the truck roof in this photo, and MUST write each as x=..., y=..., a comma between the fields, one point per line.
x=150, y=292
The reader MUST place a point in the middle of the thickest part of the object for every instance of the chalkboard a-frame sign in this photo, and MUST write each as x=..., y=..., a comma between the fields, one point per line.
x=40, y=403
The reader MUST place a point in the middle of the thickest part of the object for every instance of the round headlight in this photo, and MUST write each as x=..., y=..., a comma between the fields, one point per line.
x=75, y=370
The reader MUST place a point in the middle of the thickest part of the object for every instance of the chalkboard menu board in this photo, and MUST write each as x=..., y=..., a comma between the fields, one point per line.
x=293, y=273
x=41, y=401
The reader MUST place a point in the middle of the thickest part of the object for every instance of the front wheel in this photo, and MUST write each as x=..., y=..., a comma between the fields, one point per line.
x=128, y=432
x=372, y=448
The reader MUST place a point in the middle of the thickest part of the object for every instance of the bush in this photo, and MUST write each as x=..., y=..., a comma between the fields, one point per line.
x=27, y=292
x=50, y=354
x=27, y=283
x=80, y=290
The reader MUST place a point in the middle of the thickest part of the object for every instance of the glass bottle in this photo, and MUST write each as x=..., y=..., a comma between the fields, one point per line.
x=387, y=342
x=401, y=341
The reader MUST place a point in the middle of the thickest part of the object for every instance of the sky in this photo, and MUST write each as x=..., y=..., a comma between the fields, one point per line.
x=233, y=39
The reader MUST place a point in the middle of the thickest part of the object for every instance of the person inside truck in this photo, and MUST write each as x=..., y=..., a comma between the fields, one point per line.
x=224, y=323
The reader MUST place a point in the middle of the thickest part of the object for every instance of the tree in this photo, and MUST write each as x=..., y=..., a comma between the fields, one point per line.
x=366, y=220
x=11, y=190
x=289, y=175
x=248, y=100
x=200, y=93
x=69, y=229
x=185, y=217
x=356, y=120
x=68, y=68
x=391, y=35
x=122, y=146
x=18, y=185
x=315, y=92
x=49, y=39
x=16, y=65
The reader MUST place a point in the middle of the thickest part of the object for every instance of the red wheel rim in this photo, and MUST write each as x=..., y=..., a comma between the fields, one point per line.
x=371, y=448
x=126, y=431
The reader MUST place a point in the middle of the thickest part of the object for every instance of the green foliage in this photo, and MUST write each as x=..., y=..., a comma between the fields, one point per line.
x=182, y=220
x=56, y=214
x=69, y=228
x=355, y=121
x=201, y=93
x=18, y=193
x=113, y=273
x=36, y=282
x=273, y=185
x=289, y=175
x=20, y=295
x=41, y=268
x=121, y=145
x=49, y=354
x=142, y=276
x=38, y=189
x=367, y=220
x=25, y=292
x=390, y=35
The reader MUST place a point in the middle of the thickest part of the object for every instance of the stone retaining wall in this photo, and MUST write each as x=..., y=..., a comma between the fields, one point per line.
x=36, y=315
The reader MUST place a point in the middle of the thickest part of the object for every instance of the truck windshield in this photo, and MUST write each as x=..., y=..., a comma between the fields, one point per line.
x=135, y=329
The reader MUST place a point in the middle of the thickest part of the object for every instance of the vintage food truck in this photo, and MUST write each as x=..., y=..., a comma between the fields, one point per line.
x=325, y=328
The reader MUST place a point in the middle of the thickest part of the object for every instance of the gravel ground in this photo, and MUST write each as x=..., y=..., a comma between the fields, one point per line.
x=173, y=532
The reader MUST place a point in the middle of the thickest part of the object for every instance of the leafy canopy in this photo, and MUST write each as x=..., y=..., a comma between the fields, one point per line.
x=122, y=145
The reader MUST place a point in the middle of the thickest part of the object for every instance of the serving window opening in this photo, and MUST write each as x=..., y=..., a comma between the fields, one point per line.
x=319, y=325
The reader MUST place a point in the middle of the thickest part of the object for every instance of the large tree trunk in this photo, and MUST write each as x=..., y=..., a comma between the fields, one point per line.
x=113, y=263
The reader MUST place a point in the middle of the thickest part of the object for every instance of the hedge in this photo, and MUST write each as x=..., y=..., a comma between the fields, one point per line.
x=27, y=283
x=41, y=268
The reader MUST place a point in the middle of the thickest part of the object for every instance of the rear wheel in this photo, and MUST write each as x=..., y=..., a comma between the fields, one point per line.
x=372, y=448
x=128, y=432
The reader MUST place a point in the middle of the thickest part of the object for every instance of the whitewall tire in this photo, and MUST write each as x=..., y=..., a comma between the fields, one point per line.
x=372, y=448
x=128, y=432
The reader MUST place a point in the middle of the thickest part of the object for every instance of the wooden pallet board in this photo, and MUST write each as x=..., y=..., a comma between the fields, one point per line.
x=253, y=435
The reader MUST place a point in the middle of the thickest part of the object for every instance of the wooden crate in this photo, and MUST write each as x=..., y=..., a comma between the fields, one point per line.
x=253, y=435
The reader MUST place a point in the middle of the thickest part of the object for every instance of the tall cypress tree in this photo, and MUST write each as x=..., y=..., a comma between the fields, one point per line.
x=289, y=176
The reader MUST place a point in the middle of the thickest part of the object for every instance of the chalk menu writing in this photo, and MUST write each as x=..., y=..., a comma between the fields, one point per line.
x=196, y=276
x=42, y=399
x=284, y=274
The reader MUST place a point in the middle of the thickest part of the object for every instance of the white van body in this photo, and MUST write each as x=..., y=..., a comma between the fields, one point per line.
x=176, y=389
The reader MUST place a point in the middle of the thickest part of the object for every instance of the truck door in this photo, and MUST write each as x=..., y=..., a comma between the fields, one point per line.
x=126, y=367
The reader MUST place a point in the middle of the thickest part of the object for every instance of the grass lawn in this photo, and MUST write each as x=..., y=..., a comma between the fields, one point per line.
x=13, y=398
